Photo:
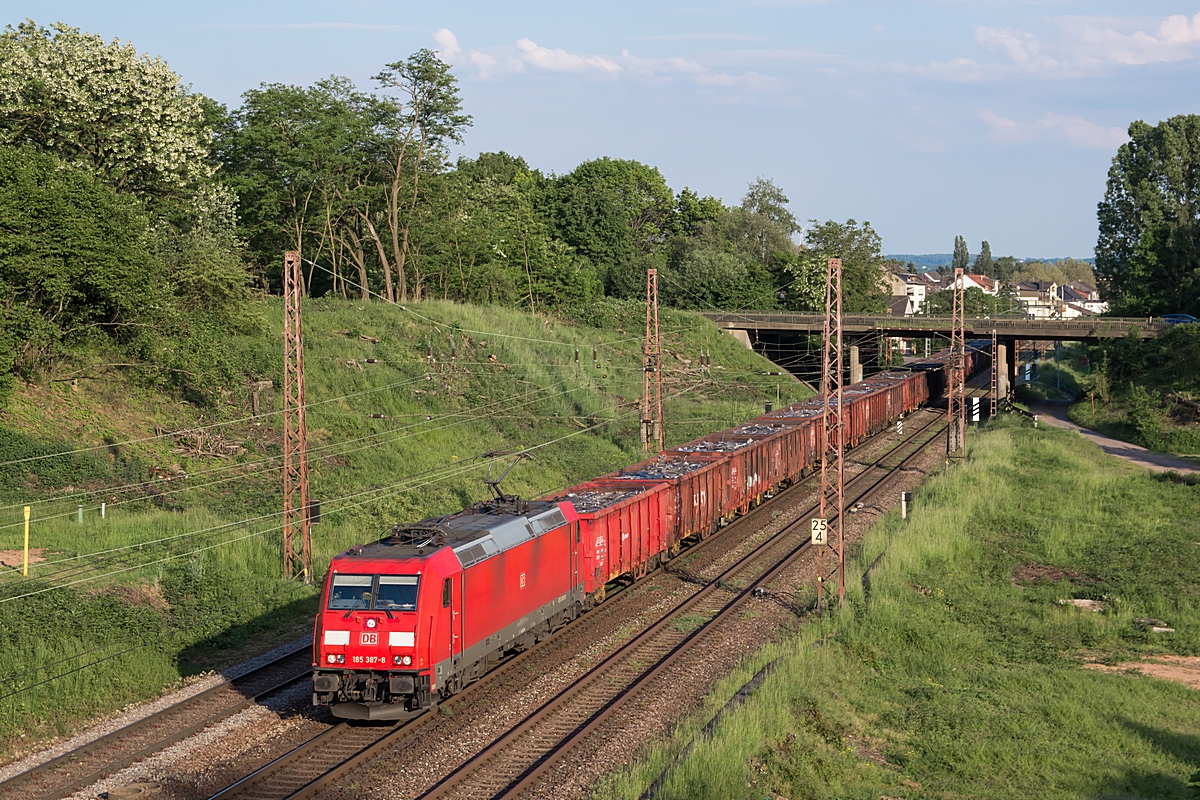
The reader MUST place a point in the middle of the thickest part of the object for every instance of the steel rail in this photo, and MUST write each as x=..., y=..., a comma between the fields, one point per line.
x=74, y=770
x=511, y=763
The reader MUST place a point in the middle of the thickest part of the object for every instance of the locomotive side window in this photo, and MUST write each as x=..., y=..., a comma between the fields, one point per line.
x=346, y=592
x=397, y=593
x=446, y=593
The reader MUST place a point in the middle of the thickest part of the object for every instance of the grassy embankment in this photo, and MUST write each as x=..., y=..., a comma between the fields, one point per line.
x=961, y=672
x=183, y=574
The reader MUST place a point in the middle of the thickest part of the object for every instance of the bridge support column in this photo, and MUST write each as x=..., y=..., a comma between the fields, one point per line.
x=740, y=335
x=1001, y=371
x=855, y=365
x=1012, y=357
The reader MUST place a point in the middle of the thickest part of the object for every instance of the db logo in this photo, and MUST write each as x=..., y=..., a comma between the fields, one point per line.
x=369, y=638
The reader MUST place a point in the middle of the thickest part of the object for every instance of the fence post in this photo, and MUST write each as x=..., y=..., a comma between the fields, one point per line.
x=25, y=562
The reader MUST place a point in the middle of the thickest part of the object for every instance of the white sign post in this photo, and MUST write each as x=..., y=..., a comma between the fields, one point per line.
x=820, y=530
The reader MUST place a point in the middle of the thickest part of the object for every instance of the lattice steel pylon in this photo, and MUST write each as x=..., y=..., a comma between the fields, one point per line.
x=652, y=405
x=995, y=392
x=297, y=559
x=832, y=379
x=956, y=405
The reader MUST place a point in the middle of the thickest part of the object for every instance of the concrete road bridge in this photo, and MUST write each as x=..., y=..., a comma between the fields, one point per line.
x=779, y=336
x=1091, y=329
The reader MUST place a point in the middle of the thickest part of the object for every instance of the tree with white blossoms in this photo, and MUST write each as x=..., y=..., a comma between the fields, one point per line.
x=103, y=107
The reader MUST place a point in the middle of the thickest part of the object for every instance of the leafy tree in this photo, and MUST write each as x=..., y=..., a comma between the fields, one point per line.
x=611, y=210
x=693, y=213
x=1060, y=272
x=295, y=157
x=762, y=227
x=413, y=130
x=1148, y=252
x=1004, y=268
x=976, y=302
x=860, y=248
x=962, y=257
x=709, y=279
x=102, y=107
x=983, y=261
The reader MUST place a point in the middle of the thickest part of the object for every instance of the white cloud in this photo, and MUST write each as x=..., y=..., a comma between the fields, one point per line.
x=527, y=55
x=1082, y=46
x=1072, y=130
x=1175, y=40
x=562, y=61
x=1023, y=49
x=448, y=48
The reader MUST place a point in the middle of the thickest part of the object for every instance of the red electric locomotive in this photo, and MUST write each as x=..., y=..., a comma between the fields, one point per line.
x=434, y=605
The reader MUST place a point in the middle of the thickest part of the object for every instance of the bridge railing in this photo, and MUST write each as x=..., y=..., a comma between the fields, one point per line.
x=1107, y=327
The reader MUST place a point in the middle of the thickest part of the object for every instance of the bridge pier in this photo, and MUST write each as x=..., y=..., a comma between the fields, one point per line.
x=855, y=365
x=1001, y=356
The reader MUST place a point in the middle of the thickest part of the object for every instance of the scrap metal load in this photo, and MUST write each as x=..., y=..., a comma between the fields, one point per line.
x=432, y=607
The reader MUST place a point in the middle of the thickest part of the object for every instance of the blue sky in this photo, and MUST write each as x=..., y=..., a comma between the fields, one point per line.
x=994, y=120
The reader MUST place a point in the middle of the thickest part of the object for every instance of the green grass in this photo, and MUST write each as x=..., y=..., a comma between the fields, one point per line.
x=187, y=571
x=954, y=677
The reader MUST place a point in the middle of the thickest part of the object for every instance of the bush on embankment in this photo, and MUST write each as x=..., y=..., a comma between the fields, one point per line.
x=961, y=673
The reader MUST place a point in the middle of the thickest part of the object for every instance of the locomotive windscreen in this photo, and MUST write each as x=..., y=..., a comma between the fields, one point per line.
x=346, y=592
x=397, y=593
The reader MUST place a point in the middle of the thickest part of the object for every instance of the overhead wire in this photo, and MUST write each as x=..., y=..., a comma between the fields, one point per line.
x=450, y=471
x=141, y=545
x=263, y=470
x=225, y=612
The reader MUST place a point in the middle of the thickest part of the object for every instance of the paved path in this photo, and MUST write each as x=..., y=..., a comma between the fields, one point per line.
x=1056, y=414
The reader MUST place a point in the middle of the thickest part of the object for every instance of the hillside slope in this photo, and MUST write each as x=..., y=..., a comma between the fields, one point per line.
x=183, y=573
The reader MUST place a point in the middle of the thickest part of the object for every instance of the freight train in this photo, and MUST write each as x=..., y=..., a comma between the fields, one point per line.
x=435, y=604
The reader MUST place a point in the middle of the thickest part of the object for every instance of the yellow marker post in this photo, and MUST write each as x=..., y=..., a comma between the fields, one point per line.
x=25, y=563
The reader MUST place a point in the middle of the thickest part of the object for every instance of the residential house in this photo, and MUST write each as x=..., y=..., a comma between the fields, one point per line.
x=1040, y=299
x=982, y=282
x=1082, y=296
x=908, y=288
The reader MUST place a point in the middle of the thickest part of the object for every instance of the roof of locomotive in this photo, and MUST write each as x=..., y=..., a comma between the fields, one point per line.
x=474, y=534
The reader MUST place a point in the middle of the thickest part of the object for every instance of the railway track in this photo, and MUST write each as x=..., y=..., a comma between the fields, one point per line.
x=79, y=768
x=515, y=762
x=325, y=760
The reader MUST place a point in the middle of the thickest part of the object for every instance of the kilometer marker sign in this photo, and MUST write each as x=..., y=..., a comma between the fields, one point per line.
x=820, y=530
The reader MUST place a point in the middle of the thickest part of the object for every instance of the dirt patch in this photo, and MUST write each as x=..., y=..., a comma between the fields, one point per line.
x=14, y=558
x=1034, y=572
x=1180, y=669
x=144, y=594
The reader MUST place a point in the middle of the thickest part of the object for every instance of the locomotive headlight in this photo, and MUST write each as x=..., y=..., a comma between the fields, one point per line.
x=371, y=623
x=331, y=658
x=407, y=660
x=397, y=660
x=341, y=658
